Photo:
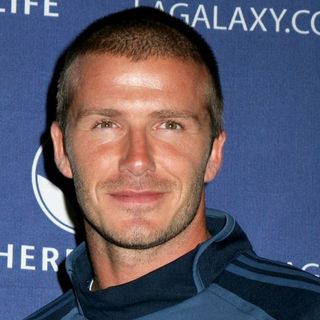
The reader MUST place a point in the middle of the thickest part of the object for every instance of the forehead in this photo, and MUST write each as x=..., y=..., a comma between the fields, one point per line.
x=103, y=76
x=105, y=66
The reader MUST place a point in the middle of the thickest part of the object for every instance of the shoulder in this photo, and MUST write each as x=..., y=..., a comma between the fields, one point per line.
x=281, y=290
x=56, y=309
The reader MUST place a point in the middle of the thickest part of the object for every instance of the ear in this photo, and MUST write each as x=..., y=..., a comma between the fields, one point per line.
x=215, y=158
x=60, y=156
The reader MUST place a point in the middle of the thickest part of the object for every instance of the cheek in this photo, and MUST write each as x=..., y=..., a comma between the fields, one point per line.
x=183, y=160
x=180, y=158
x=92, y=162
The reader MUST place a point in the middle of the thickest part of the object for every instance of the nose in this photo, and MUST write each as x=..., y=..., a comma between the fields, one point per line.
x=137, y=157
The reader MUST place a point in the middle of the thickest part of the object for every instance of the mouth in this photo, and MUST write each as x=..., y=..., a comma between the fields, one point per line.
x=137, y=197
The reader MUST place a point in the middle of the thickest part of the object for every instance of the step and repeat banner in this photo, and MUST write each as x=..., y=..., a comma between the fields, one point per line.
x=269, y=58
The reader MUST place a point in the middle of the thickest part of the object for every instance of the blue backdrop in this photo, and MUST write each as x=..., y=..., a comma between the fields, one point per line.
x=268, y=52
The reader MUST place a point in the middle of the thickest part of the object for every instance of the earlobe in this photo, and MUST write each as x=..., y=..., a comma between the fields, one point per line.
x=60, y=155
x=215, y=159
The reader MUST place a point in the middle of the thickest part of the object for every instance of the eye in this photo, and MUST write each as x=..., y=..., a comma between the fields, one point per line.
x=171, y=125
x=105, y=124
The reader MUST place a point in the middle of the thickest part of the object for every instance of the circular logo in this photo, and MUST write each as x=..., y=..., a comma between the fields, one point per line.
x=48, y=186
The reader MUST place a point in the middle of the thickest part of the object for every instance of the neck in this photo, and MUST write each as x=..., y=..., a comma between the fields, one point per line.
x=114, y=265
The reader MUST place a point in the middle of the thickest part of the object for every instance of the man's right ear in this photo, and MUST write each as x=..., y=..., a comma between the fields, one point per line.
x=60, y=156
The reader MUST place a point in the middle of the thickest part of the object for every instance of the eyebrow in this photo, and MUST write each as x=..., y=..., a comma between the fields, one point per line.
x=106, y=112
x=165, y=114
x=159, y=114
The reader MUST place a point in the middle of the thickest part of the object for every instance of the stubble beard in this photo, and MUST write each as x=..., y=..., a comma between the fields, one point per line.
x=138, y=238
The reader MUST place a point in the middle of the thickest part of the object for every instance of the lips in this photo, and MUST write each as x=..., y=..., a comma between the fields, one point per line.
x=137, y=197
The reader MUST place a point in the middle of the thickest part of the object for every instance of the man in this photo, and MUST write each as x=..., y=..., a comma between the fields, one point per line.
x=139, y=130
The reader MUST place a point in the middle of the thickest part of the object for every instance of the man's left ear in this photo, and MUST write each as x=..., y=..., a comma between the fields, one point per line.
x=215, y=158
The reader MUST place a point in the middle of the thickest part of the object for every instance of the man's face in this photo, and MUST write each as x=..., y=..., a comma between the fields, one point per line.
x=139, y=147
